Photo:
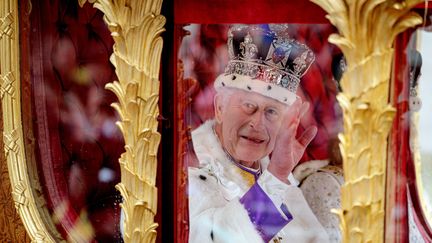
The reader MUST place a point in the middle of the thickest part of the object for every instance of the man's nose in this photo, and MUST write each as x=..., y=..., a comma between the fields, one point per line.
x=257, y=120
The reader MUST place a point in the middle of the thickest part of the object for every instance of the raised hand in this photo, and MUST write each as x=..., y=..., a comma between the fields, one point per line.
x=288, y=148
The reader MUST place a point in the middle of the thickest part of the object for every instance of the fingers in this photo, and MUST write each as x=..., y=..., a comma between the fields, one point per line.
x=307, y=136
x=295, y=111
x=304, y=108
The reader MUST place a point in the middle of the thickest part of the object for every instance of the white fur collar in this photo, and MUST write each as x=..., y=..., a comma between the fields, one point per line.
x=213, y=158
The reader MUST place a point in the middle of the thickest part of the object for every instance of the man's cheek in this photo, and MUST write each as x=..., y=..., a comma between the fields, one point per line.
x=271, y=145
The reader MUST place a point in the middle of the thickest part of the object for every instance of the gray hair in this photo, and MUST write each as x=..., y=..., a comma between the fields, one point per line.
x=225, y=94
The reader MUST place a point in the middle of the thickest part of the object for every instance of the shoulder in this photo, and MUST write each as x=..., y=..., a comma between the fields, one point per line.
x=328, y=176
x=200, y=181
x=322, y=192
x=203, y=192
x=323, y=186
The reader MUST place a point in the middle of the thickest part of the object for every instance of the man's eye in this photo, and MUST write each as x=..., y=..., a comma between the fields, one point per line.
x=272, y=114
x=249, y=107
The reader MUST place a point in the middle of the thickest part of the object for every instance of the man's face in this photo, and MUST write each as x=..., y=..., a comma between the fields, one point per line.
x=248, y=124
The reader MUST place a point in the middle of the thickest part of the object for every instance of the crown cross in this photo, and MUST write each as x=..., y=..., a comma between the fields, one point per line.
x=248, y=48
x=300, y=63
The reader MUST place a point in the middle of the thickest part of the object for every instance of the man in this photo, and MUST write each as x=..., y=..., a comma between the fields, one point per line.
x=239, y=193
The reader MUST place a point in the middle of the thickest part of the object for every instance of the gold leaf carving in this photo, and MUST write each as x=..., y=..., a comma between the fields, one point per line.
x=40, y=237
x=10, y=142
x=12, y=228
x=6, y=82
x=24, y=190
x=367, y=29
x=19, y=196
x=136, y=27
x=6, y=25
x=82, y=2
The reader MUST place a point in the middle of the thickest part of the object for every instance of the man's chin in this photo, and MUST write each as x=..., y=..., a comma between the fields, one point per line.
x=250, y=157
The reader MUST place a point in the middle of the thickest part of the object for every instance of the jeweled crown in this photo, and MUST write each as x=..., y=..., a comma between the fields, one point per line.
x=267, y=53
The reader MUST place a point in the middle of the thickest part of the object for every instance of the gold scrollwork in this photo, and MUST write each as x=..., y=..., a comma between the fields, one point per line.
x=367, y=30
x=24, y=188
x=7, y=86
x=6, y=25
x=136, y=27
x=40, y=237
x=19, y=196
x=10, y=142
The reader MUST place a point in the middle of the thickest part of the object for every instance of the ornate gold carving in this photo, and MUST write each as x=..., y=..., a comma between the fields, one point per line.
x=19, y=196
x=367, y=30
x=6, y=25
x=82, y=2
x=12, y=229
x=40, y=237
x=10, y=142
x=136, y=27
x=7, y=84
x=24, y=188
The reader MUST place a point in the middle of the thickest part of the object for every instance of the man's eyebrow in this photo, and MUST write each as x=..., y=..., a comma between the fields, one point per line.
x=278, y=108
x=248, y=99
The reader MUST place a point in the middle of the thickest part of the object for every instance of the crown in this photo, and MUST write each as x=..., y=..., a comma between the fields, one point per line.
x=264, y=59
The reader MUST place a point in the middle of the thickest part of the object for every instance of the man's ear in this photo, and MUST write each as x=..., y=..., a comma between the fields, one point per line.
x=218, y=108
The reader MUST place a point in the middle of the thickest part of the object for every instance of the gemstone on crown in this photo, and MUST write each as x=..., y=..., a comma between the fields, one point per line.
x=267, y=53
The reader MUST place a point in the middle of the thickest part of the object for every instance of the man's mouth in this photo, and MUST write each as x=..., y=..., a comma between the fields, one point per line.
x=253, y=139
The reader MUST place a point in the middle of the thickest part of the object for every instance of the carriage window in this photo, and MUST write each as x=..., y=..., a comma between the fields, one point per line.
x=76, y=140
x=420, y=103
x=252, y=70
